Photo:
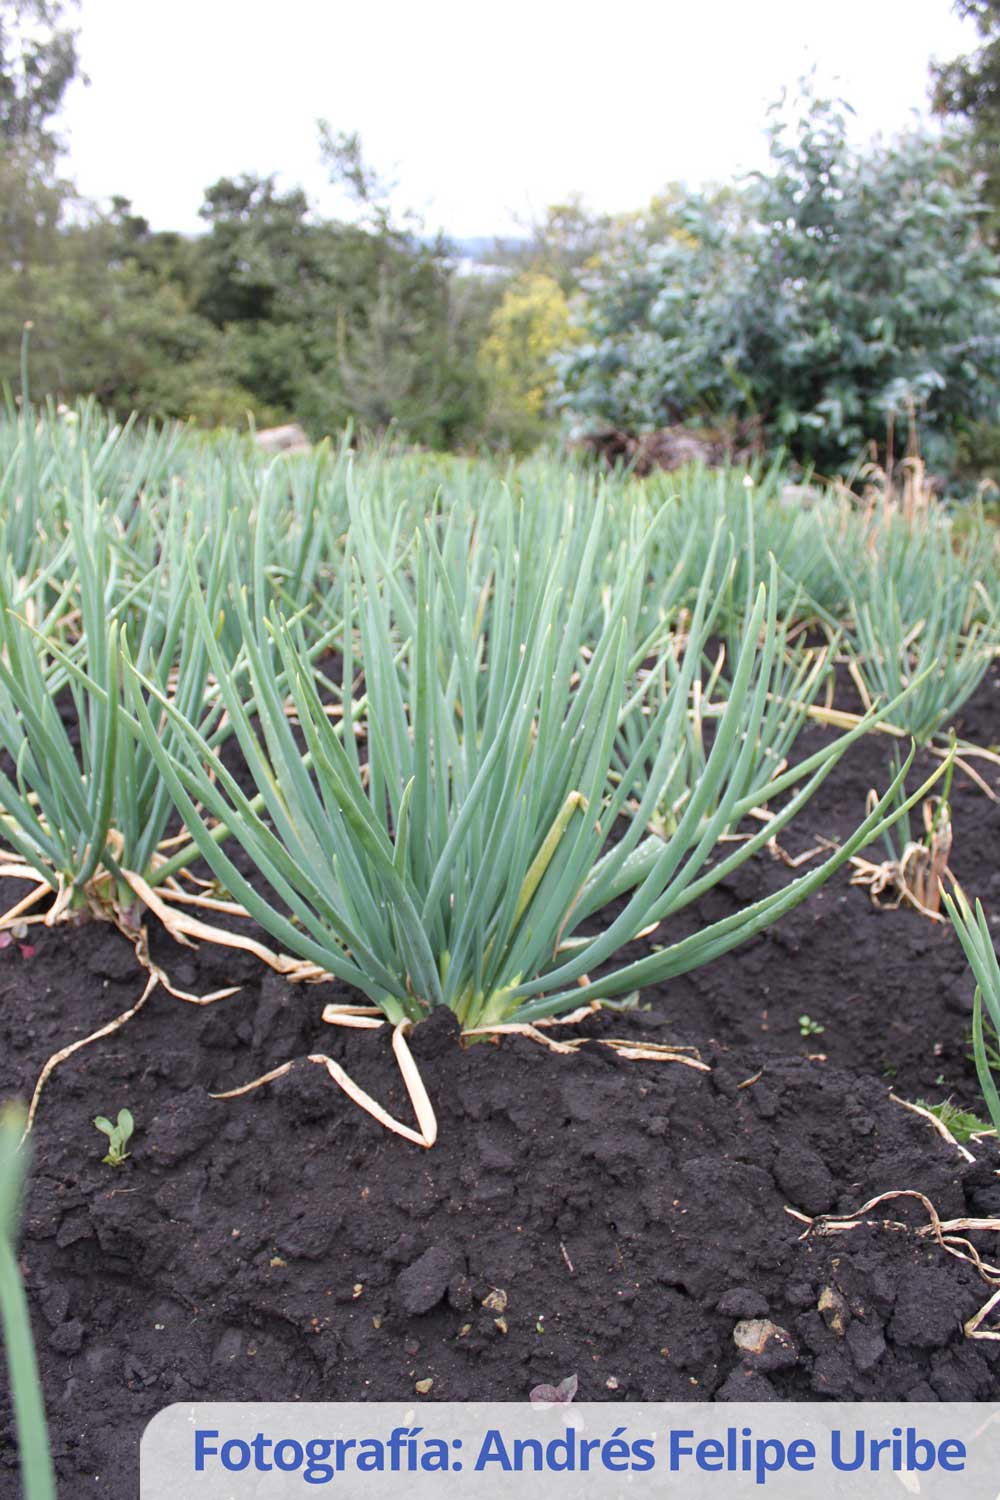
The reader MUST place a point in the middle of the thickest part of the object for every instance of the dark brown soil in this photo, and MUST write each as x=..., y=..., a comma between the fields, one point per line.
x=621, y=1217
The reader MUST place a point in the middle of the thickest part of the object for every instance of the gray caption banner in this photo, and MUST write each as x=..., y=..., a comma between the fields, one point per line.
x=408, y=1451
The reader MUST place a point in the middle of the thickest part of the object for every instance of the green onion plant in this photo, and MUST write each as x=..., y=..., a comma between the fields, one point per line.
x=794, y=677
x=37, y=1472
x=921, y=620
x=974, y=935
x=938, y=635
x=458, y=863
x=76, y=813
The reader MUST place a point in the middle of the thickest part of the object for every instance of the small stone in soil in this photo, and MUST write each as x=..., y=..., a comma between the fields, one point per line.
x=422, y=1285
x=764, y=1345
x=743, y=1302
x=834, y=1310
x=68, y=1337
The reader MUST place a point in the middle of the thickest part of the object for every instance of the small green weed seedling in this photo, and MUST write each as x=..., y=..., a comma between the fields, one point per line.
x=809, y=1027
x=118, y=1135
x=962, y=1123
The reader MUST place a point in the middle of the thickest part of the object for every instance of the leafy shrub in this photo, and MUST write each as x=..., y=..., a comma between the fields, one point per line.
x=530, y=324
x=834, y=292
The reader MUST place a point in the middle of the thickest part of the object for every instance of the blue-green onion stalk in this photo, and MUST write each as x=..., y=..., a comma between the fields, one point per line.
x=977, y=942
x=80, y=816
x=37, y=1473
x=460, y=864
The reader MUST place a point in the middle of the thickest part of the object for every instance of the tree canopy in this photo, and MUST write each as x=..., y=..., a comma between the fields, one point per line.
x=819, y=302
x=968, y=88
x=38, y=62
x=836, y=292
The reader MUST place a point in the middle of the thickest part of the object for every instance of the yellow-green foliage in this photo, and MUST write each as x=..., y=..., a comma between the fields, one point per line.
x=530, y=325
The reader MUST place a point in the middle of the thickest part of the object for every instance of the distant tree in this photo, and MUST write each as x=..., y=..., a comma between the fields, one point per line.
x=258, y=241
x=570, y=239
x=111, y=303
x=561, y=244
x=405, y=334
x=969, y=88
x=342, y=153
x=38, y=62
x=164, y=255
x=330, y=320
x=273, y=310
x=837, y=291
x=530, y=326
x=394, y=343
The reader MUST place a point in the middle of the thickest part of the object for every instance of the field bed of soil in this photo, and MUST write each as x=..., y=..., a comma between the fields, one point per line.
x=619, y=1218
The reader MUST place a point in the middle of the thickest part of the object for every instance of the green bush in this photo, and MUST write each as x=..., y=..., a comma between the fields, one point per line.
x=829, y=295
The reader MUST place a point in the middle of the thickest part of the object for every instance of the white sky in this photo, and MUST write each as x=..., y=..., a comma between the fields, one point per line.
x=483, y=114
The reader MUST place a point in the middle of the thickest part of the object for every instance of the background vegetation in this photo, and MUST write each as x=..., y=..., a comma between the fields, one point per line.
x=820, y=302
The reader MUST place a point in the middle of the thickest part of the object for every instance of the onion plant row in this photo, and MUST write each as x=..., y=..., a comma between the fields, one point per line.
x=977, y=942
x=86, y=812
x=558, y=706
x=466, y=858
x=930, y=615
